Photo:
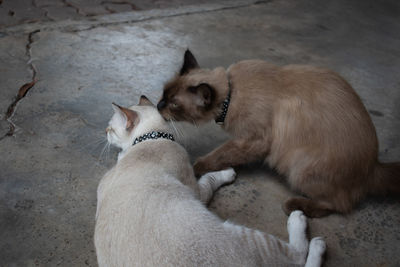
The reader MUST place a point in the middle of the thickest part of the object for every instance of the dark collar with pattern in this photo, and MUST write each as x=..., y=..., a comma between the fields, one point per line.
x=225, y=105
x=153, y=135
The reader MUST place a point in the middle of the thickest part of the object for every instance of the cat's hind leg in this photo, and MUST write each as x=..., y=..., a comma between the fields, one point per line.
x=269, y=250
x=316, y=252
x=210, y=182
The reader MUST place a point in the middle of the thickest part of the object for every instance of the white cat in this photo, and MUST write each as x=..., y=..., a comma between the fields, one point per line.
x=151, y=212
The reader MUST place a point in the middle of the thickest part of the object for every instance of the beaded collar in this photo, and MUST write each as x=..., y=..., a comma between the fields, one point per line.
x=221, y=118
x=153, y=135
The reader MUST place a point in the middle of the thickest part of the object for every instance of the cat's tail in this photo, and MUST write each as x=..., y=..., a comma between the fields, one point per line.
x=385, y=179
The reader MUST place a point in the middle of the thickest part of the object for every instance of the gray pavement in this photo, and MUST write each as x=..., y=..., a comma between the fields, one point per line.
x=15, y=12
x=51, y=142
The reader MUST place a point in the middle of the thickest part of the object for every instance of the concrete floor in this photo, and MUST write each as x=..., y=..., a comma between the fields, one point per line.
x=50, y=144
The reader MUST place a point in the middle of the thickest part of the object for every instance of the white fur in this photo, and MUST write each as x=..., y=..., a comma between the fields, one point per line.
x=149, y=211
x=211, y=181
x=118, y=136
x=297, y=226
x=316, y=252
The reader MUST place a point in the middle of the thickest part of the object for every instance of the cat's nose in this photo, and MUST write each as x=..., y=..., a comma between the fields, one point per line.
x=161, y=105
x=107, y=129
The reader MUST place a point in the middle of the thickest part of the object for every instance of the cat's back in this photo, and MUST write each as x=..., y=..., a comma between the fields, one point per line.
x=303, y=107
x=148, y=217
x=253, y=69
x=268, y=78
x=146, y=165
x=141, y=203
x=260, y=85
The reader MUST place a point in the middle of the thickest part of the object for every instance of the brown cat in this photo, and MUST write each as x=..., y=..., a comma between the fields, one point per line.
x=306, y=122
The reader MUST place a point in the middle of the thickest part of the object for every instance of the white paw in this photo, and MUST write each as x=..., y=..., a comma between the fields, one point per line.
x=297, y=222
x=227, y=175
x=317, y=245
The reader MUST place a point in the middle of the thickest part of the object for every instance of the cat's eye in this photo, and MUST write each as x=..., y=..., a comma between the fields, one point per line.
x=174, y=105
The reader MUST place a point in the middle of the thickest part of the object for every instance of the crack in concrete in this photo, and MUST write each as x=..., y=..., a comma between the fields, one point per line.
x=106, y=24
x=28, y=53
x=23, y=90
x=46, y=13
x=77, y=9
x=77, y=26
x=109, y=10
x=104, y=4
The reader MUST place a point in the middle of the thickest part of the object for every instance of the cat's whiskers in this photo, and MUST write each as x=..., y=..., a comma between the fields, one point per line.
x=103, y=151
x=179, y=133
x=175, y=129
x=95, y=147
x=95, y=143
x=179, y=129
x=108, y=151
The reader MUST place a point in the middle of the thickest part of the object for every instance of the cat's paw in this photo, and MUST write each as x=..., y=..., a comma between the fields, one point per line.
x=227, y=175
x=297, y=222
x=223, y=177
x=317, y=246
x=297, y=226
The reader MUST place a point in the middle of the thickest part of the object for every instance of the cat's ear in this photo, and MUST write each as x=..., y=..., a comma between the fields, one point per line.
x=189, y=63
x=204, y=93
x=144, y=101
x=131, y=117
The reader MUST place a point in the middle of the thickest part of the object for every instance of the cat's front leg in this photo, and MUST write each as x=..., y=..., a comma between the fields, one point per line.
x=232, y=153
x=211, y=181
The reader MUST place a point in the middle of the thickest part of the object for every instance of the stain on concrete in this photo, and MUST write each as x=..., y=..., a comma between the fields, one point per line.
x=24, y=204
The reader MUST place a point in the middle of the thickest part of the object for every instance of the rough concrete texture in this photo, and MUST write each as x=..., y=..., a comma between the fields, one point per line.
x=52, y=163
x=15, y=12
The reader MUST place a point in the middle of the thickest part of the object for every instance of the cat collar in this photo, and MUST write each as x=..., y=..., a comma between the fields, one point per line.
x=153, y=135
x=221, y=118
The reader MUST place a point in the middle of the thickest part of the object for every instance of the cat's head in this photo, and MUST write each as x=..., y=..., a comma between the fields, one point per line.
x=195, y=94
x=128, y=123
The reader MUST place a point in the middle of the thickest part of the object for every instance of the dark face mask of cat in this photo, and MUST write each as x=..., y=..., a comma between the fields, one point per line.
x=183, y=101
x=187, y=104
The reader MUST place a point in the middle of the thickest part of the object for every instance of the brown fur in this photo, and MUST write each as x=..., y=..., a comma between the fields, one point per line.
x=306, y=122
